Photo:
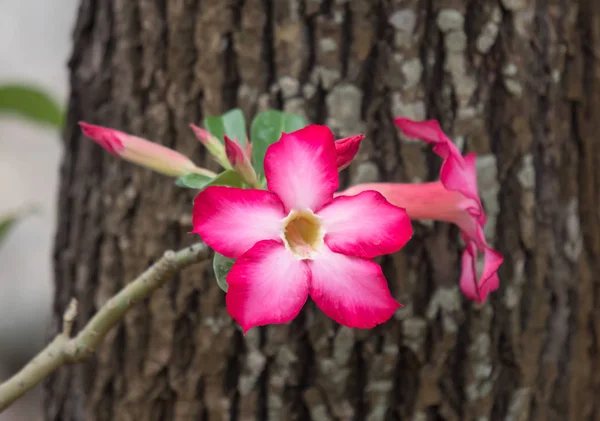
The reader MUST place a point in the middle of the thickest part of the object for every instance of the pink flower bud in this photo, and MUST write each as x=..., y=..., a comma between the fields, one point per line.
x=240, y=162
x=347, y=149
x=142, y=152
x=212, y=144
x=235, y=153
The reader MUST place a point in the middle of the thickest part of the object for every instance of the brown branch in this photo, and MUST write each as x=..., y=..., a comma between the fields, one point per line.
x=63, y=349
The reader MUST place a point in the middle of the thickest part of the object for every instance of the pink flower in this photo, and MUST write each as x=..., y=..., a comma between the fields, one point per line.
x=453, y=199
x=347, y=149
x=296, y=240
x=142, y=152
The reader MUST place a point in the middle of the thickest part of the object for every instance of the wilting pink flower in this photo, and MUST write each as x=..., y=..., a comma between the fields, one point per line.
x=142, y=152
x=296, y=240
x=452, y=199
x=346, y=149
x=240, y=161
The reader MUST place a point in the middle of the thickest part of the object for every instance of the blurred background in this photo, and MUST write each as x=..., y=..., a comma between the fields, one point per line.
x=36, y=43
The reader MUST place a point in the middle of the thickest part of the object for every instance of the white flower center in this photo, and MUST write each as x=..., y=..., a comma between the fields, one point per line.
x=302, y=233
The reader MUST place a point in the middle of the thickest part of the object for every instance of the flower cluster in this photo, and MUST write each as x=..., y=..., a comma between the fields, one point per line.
x=291, y=236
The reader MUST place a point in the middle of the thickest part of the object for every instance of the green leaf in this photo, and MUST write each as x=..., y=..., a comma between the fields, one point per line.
x=200, y=182
x=30, y=102
x=232, y=124
x=266, y=130
x=6, y=224
x=193, y=181
x=222, y=265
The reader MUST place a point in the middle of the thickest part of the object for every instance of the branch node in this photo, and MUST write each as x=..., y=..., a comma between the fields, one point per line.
x=170, y=256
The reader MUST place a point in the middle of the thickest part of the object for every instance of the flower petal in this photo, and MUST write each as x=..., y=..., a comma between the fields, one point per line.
x=346, y=149
x=266, y=285
x=365, y=225
x=301, y=168
x=232, y=220
x=477, y=289
x=351, y=290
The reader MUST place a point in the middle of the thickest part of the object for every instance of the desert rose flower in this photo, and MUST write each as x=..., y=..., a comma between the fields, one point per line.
x=142, y=152
x=295, y=240
x=452, y=199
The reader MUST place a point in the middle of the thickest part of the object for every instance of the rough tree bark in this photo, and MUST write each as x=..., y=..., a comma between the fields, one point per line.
x=517, y=81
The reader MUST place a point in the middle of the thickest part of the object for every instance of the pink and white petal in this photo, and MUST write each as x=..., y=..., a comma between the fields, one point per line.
x=473, y=287
x=365, y=225
x=266, y=285
x=231, y=220
x=351, y=290
x=301, y=168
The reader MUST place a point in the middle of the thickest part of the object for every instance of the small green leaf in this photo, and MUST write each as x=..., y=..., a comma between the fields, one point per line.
x=266, y=130
x=222, y=265
x=30, y=102
x=193, y=181
x=200, y=182
x=232, y=124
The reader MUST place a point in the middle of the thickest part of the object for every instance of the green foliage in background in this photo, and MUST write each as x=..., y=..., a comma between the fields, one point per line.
x=31, y=103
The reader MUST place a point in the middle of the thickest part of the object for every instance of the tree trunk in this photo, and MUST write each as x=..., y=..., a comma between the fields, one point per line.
x=516, y=81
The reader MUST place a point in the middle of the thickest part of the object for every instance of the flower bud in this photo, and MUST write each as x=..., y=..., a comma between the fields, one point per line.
x=240, y=162
x=142, y=152
x=212, y=144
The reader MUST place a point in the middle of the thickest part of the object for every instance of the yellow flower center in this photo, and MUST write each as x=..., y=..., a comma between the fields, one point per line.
x=302, y=234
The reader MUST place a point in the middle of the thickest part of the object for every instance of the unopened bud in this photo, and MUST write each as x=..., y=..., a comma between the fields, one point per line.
x=142, y=152
x=212, y=144
x=240, y=162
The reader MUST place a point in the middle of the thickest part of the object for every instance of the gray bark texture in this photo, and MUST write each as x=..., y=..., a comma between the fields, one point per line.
x=516, y=81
